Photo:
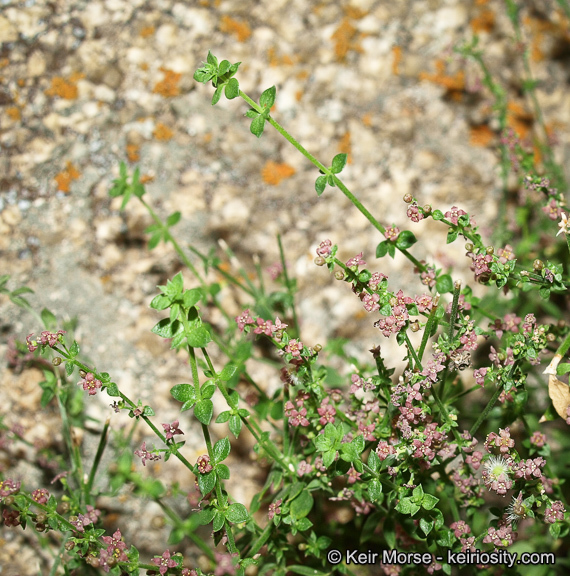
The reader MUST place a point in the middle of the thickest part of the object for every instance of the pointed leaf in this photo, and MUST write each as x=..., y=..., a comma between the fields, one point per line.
x=232, y=89
x=203, y=411
x=267, y=99
x=338, y=163
x=237, y=513
x=221, y=449
x=320, y=184
x=257, y=126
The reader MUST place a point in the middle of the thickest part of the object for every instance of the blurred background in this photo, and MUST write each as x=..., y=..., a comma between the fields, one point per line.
x=88, y=84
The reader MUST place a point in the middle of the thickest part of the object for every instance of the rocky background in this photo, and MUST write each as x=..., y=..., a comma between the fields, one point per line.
x=87, y=84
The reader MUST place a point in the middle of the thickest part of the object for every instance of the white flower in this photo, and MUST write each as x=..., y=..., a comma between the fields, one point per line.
x=563, y=225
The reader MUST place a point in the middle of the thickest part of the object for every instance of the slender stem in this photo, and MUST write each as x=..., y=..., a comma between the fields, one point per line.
x=288, y=284
x=342, y=187
x=97, y=460
x=486, y=411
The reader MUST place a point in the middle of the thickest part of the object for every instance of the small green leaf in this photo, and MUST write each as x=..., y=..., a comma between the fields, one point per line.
x=437, y=215
x=223, y=471
x=444, y=284
x=237, y=513
x=235, y=425
x=302, y=505
x=426, y=526
x=228, y=371
x=374, y=489
x=217, y=95
x=206, y=482
x=212, y=59
x=112, y=389
x=203, y=411
x=160, y=302
x=191, y=297
x=198, y=337
x=48, y=318
x=221, y=449
x=173, y=219
x=232, y=89
x=382, y=249
x=373, y=461
x=406, y=239
x=257, y=126
x=338, y=163
x=207, y=515
x=218, y=522
x=429, y=501
x=267, y=98
x=451, y=235
x=183, y=392
x=167, y=329
x=320, y=184
x=223, y=67
x=223, y=417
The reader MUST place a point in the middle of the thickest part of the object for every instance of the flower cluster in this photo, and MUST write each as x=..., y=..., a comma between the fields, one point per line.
x=45, y=339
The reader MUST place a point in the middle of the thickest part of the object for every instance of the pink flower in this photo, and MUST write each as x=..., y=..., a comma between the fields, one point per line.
x=164, y=561
x=392, y=233
x=356, y=261
x=90, y=383
x=274, y=508
x=243, y=320
x=145, y=455
x=172, y=429
x=453, y=214
x=294, y=347
x=40, y=495
x=203, y=464
x=324, y=248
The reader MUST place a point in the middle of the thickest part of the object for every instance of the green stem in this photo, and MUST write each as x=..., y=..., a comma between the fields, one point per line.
x=177, y=521
x=487, y=409
x=363, y=210
x=97, y=461
x=288, y=284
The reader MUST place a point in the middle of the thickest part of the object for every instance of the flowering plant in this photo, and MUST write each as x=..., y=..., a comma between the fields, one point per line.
x=456, y=460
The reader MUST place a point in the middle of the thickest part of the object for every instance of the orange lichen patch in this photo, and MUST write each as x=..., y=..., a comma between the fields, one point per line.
x=21, y=82
x=65, y=177
x=162, y=132
x=241, y=30
x=4, y=62
x=146, y=178
x=481, y=135
x=298, y=95
x=344, y=145
x=168, y=86
x=481, y=2
x=485, y=22
x=397, y=52
x=147, y=31
x=345, y=39
x=143, y=66
x=14, y=113
x=455, y=85
x=367, y=119
x=354, y=13
x=273, y=172
x=133, y=152
x=64, y=88
x=275, y=60
x=519, y=119
x=540, y=29
x=302, y=74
